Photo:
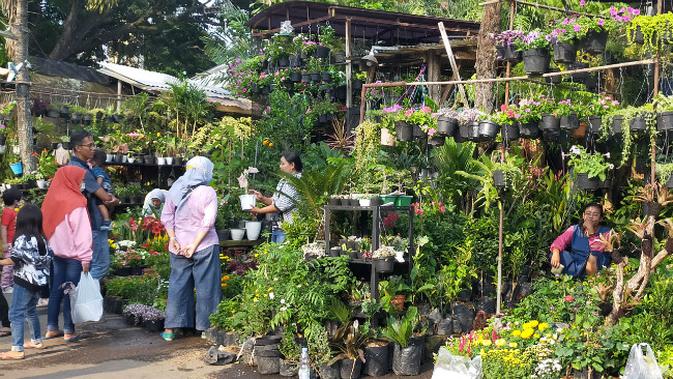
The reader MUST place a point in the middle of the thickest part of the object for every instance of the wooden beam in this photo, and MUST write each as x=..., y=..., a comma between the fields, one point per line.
x=349, y=72
x=452, y=61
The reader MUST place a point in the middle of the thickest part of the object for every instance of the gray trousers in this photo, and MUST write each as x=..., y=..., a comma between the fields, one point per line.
x=200, y=272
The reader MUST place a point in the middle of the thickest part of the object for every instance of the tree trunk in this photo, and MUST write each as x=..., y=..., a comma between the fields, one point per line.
x=23, y=118
x=486, y=64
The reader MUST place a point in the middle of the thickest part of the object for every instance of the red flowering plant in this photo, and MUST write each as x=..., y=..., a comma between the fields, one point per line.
x=508, y=115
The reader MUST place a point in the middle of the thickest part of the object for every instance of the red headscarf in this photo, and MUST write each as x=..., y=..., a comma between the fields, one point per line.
x=63, y=197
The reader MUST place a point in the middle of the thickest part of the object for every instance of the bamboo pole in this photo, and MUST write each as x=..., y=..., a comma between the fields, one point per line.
x=543, y=6
x=452, y=62
x=655, y=90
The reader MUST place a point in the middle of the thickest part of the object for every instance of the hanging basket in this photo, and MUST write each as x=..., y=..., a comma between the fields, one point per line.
x=447, y=126
x=384, y=266
x=510, y=132
x=488, y=129
x=595, y=125
x=322, y=52
x=529, y=130
x=638, y=124
x=550, y=123
x=511, y=54
x=536, y=61
x=403, y=131
x=565, y=52
x=569, y=122
x=468, y=132
x=665, y=121
x=594, y=42
x=617, y=125
x=582, y=181
x=499, y=178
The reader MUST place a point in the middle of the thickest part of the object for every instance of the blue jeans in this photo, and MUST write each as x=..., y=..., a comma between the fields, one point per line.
x=100, y=262
x=24, y=306
x=200, y=272
x=65, y=270
x=277, y=235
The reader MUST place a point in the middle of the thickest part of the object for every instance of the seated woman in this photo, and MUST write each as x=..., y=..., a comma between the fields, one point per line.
x=579, y=250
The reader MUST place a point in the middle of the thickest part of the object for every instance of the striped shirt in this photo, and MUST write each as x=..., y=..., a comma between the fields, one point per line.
x=285, y=198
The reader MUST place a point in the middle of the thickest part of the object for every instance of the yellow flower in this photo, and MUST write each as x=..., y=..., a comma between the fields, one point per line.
x=513, y=344
x=536, y=335
x=516, y=333
x=500, y=342
x=486, y=342
x=527, y=333
x=543, y=326
x=531, y=324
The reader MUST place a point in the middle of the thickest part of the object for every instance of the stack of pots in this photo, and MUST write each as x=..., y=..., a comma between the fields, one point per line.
x=267, y=355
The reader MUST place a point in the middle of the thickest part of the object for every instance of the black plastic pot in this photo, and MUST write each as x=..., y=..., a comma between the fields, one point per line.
x=665, y=121
x=377, y=360
x=224, y=234
x=510, y=132
x=288, y=369
x=418, y=132
x=133, y=320
x=468, y=132
x=488, y=129
x=295, y=77
x=315, y=76
x=113, y=304
x=447, y=126
x=350, y=369
x=267, y=365
x=283, y=61
x=330, y=372
x=384, y=266
x=407, y=361
x=322, y=52
x=335, y=251
x=305, y=78
x=565, y=52
x=550, y=123
x=436, y=141
x=529, y=130
x=500, y=53
x=403, y=131
x=556, y=79
x=595, y=125
x=536, y=61
x=617, y=125
x=153, y=325
x=464, y=316
x=594, y=42
x=86, y=119
x=326, y=77
x=580, y=77
x=499, y=178
x=64, y=112
x=638, y=124
x=53, y=113
x=511, y=54
x=582, y=181
x=569, y=122
x=638, y=36
x=76, y=118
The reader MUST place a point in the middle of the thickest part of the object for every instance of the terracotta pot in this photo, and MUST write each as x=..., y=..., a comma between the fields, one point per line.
x=398, y=302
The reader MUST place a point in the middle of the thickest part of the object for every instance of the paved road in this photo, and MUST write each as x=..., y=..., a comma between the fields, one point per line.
x=111, y=349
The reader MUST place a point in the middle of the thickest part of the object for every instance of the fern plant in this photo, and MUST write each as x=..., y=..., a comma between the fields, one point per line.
x=400, y=331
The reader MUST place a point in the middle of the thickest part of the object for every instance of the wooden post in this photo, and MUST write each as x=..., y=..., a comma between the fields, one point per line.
x=119, y=95
x=655, y=89
x=433, y=63
x=485, y=64
x=349, y=74
x=24, y=120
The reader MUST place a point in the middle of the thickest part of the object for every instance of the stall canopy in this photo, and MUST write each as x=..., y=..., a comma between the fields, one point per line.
x=379, y=26
x=156, y=82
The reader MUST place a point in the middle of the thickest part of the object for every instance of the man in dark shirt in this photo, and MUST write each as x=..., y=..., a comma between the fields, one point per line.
x=83, y=148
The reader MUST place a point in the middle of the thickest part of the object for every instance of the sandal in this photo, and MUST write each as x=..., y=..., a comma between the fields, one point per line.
x=53, y=334
x=33, y=345
x=168, y=336
x=71, y=338
x=12, y=355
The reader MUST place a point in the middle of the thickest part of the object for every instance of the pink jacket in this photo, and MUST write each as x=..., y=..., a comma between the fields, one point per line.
x=72, y=238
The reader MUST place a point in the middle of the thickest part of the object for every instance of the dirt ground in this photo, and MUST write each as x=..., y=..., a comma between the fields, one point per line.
x=111, y=349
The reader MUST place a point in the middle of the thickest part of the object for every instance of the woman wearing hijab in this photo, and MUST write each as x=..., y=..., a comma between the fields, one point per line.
x=68, y=229
x=154, y=201
x=189, y=217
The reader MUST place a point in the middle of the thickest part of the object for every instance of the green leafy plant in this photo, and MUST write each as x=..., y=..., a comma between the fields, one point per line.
x=399, y=331
x=583, y=162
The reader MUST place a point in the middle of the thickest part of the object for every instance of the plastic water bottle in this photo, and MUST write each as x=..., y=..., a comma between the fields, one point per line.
x=304, y=367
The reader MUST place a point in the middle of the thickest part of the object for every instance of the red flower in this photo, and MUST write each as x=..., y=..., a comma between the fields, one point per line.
x=442, y=208
x=569, y=298
x=133, y=225
x=390, y=219
x=156, y=229
x=417, y=208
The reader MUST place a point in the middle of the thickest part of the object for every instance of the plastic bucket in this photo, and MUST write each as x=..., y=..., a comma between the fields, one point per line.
x=247, y=202
x=17, y=168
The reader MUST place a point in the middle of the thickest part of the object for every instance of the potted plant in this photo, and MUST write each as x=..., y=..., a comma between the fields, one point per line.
x=447, y=122
x=468, y=124
x=153, y=319
x=650, y=31
x=393, y=115
x=565, y=36
x=596, y=109
x=349, y=340
x=664, y=106
x=664, y=171
x=132, y=314
x=422, y=121
x=507, y=119
x=290, y=353
x=535, y=47
x=327, y=39
x=568, y=115
x=549, y=121
x=529, y=118
x=384, y=259
x=507, y=40
x=377, y=356
x=627, y=120
x=407, y=352
x=588, y=169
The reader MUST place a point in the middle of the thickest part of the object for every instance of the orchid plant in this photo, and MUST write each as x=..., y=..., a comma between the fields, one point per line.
x=243, y=178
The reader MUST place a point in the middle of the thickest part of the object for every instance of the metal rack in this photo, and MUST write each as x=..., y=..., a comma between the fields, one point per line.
x=376, y=235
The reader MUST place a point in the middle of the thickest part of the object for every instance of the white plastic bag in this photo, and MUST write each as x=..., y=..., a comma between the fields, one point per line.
x=86, y=302
x=642, y=365
x=450, y=366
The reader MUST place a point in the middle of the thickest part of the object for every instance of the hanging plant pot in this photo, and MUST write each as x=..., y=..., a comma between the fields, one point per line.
x=500, y=53
x=387, y=138
x=447, y=126
x=565, y=52
x=418, y=132
x=469, y=132
x=339, y=57
x=403, y=131
x=580, y=77
x=617, y=125
x=326, y=77
x=582, y=181
x=86, y=119
x=510, y=132
x=315, y=77
x=638, y=36
x=569, y=122
x=488, y=129
x=594, y=42
x=295, y=60
x=638, y=124
x=322, y=52
x=665, y=121
x=499, y=178
x=377, y=358
x=536, y=61
x=17, y=168
x=384, y=266
x=295, y=77
x=550, y=123
x=283, y=61
x=529, y=130
x=350, y=369
x=595, y=125
x=305, y=78
x=556, y=79
x=511, y=54
x=64, y=112
x=76, y=118
x=436, y=141
x=407, y=360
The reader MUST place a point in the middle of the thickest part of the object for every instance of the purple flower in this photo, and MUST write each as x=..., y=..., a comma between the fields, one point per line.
x=566, y=21
x=613, y=11
x=392, y=109
x=583, y=3
x=576, y=28
x=600, y=22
